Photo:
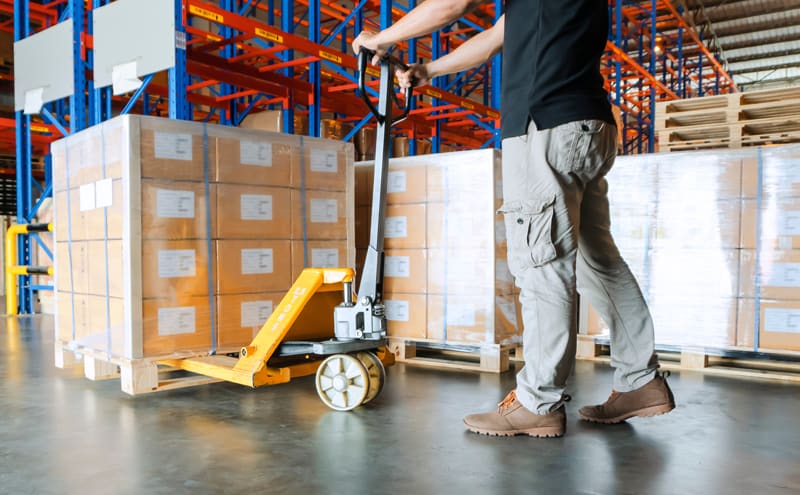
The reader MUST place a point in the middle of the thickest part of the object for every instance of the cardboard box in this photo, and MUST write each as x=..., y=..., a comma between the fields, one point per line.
x=362, y=224
x=405, y=271
x=105, y=323
x=74, y=277
x=176, y=324
x=104, y=270
x=325, y=215
x=322, y=167
x=779, y=274
x=172, y=269
x=255, y=159
x=684, y=223
x=461, y=224
x=702, y=273
x=72, y=317
x=405, y=227
x=176, y=210
x=780, y=223
x=77, y=216
x=689, y=320
x=406, y=182
x=321, y=254
x=364, y=172
x=459, y=271
x=779, y=326
x=406, y=315
x=176, y=153
x=241, y=316
x=467, y=319
x=267, y=120
x=253, y=266
x=508, y=320
x=253, y=212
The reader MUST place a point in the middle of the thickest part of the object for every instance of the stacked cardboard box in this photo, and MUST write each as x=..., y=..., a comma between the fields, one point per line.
x=159, y=222
x=719, y=241
x=770, y=261
x=445, y=274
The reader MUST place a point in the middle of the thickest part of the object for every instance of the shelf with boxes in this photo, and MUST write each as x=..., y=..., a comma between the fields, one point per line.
x=714, y=246
x=445, y=275
x=176, y=236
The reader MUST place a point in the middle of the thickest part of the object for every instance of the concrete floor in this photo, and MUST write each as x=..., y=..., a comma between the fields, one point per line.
x=62, y=434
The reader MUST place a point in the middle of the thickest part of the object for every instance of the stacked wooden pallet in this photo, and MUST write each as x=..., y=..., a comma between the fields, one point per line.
x=729, y=121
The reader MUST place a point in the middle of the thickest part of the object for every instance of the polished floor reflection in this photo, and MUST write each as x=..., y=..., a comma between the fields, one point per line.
x=62, y=434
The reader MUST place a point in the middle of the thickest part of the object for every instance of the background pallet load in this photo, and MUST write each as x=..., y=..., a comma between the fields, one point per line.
x=445, y=274
x=179, y=237
x=733, y=120
x=717, y=256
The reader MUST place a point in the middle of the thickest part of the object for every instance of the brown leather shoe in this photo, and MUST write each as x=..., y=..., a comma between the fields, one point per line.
x=511, y=418
x=650, y=400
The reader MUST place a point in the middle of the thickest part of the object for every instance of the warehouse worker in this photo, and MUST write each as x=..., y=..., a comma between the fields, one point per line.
x=559, y=141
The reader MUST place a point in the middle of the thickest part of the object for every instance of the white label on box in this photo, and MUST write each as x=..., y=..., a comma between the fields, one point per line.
x=460, y=315
x=324, y=211
x=256, y=206
x=174, y=204
x=256, y=313
x=325, y=258
x=396, y=182
x=257, y=153
x=396, y=310
x=175, y=321
x=103, y=193
x=324, y=161
x=395, y=227
x=397, y=266
x=784, y=275
x=87, y=197
x=782, y=320
x=788, y=222
x=173, y=146
x=785, y=242
x=176, y=263
x=255, y=261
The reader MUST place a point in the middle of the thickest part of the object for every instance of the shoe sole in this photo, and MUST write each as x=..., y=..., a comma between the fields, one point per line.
x=646, y=412
x=549, y=432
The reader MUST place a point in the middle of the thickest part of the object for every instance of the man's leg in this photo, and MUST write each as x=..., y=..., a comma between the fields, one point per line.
x=543, y=177
x=606, y=281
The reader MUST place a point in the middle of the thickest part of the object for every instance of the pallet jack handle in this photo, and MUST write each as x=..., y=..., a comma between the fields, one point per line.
x=387, y=61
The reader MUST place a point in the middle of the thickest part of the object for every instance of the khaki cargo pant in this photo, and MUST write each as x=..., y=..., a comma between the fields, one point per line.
x=557, y=223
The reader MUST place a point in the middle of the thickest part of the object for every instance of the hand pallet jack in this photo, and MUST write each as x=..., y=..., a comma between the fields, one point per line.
x=349, y=366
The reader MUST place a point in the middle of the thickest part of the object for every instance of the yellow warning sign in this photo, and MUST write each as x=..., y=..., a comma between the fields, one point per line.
x=39, y=128
x=330, y=56
x=269, y=36
x=466, y=104
x=433, y=93
x=206, y=14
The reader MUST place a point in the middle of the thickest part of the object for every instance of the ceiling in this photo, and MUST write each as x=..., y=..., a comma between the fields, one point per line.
x=758, y=41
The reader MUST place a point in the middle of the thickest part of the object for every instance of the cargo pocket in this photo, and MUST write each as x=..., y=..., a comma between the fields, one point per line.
x=529, y=230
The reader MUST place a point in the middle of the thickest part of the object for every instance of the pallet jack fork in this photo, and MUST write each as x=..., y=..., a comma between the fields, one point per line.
x=352, y=372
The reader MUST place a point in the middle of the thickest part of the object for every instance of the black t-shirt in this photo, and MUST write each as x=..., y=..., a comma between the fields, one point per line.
x=551, y=63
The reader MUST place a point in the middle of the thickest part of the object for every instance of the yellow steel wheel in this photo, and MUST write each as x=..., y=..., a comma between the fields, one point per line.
x=342, y=382
x=376, y=371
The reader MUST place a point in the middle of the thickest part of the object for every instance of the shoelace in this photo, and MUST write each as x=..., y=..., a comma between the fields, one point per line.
x=511, y=397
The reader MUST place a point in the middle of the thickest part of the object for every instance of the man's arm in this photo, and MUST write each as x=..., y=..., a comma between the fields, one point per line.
x=475, y=51
x=424, y=19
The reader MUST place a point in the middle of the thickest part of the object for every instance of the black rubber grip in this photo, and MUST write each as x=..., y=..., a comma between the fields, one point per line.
x=38, y=227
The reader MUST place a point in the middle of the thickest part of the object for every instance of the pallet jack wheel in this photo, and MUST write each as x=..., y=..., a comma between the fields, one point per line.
x=342, y=382
x=377, y=373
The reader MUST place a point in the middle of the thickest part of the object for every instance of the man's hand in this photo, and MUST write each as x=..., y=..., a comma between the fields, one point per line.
x=417, y=75
x=371, y=41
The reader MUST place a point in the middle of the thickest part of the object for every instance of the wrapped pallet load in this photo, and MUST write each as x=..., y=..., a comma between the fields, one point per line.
x=445, y=275
x=176, y=238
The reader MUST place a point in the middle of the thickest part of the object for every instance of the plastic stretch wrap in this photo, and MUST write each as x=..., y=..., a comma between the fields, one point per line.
x=177, y=236
x=445, y=272
x=717, y=237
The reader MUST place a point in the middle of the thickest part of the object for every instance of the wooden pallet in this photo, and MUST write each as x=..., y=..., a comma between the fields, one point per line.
x=784, y=367
x=137, y=376
x=490, y=358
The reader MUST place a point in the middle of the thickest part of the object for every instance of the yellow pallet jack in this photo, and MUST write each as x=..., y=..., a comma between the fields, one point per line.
x=349, y=357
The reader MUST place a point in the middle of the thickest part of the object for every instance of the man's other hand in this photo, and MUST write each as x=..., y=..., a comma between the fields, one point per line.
x=371, y=41
x=417, y=75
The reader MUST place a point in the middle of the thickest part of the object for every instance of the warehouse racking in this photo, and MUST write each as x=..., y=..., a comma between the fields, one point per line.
x=243, y=56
